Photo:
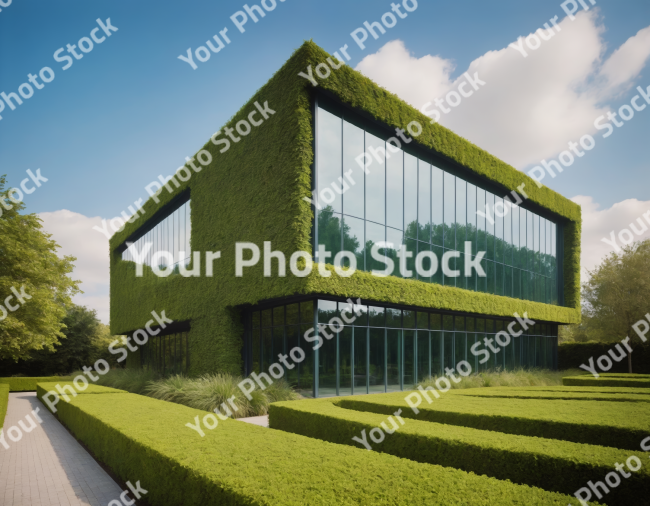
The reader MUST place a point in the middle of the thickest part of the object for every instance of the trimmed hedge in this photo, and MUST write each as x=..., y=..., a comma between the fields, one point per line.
x=618, y=425
x=4, y=402
x=29, y=384
x=254, y=192
x=572, y=355
x=523, y=393
x=553, y=465
x=240, y=463
x=606, y=381
x=43, y=388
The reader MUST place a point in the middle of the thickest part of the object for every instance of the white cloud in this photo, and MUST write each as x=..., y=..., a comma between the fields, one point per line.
x=628, y=60
x=74, y=233
x=600, y=223
x=529, y=108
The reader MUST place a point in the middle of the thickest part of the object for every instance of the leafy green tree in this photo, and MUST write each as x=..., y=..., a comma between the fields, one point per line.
x=28, y=262
x=617, y=294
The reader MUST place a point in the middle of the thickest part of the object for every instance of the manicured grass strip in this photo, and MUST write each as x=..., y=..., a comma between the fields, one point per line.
x=29, y=384
x=4, y=402
x=558, y=466
x=524, y=393
x=237, y=463
x=616, y=424
x=606, y=381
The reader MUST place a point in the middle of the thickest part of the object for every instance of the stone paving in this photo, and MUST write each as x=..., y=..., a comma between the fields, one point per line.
x=262, y=421
x=47, y=466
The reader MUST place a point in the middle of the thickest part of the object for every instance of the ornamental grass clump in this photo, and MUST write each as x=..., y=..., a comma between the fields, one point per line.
x=499, y=378
x=208, y=392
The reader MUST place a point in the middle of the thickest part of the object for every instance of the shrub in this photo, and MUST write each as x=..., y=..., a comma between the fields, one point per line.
x=620, y=425
x=558, y=466
x=4, y=402
x=25, y=384
x=131, y=380
x=515, y=378
x=572, y=355
x=239, y=463
x=208, y=392
x=555, y=394
x=607, y=381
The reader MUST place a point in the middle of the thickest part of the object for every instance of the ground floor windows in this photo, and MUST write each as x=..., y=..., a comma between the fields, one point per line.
x=386, y=349
x=167, y=354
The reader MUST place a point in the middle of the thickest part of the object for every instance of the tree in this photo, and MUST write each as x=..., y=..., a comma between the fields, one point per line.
x=85, y=341
x=28, y=262
x=617, y=294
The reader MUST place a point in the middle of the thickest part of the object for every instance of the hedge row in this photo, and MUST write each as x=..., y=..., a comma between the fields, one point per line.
x=619, y=425
x=29, y=384
x=557, y=466
x=43, y=388
x=240, y=463
x=572, y=355
x=525, y=393
x=606, y=381
x=4, y=402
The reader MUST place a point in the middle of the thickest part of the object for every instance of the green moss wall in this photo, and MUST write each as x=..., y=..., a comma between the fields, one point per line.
x=253, y=192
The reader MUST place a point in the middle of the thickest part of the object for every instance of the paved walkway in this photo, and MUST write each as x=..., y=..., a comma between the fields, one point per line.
x=48, y=466
x=263, y=421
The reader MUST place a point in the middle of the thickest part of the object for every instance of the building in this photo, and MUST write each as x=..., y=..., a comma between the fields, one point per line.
x=254, y=186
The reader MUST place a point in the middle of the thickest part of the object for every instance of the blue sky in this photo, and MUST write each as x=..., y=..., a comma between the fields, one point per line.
x=130, y=110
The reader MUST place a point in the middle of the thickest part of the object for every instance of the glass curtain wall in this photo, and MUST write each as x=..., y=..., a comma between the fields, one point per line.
x=416, y=206
x=172, y=234
x=387, y=349
x=166, y=355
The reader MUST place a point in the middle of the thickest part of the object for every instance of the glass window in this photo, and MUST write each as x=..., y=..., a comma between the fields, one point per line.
x=436, y=353
x=395, y=188
x=422, y=320
x=393, y=359
x=394, y=237
x=345, y=361
x=409, y=359
x=329, y=233
x=329, y=155
x=353, y=147
x=410, y=195
x=326, y=311
x=450, y=211
x=354, y=239
x=409, y=202
x=327, y=368
x=461, y=214
x=470, y=233
x=507, y=234
x=166, y=236
x=360, y=360
x=409, y=319
x=376, y=180
x=436, y=206
x=377, y=316
x=489, y=227
x=374, y=234
x=424, y=202
x=376, y=375
x=423, y=355
x=394, y=318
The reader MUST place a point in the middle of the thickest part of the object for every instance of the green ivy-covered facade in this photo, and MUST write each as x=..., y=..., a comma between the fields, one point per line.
x=255, y=192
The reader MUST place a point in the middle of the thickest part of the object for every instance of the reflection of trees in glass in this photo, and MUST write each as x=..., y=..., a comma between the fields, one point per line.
x=329, y=234
x=541, y=288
